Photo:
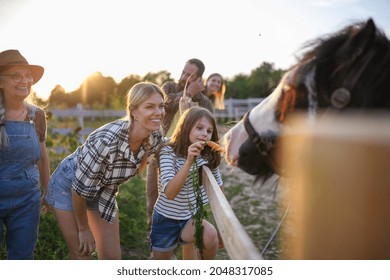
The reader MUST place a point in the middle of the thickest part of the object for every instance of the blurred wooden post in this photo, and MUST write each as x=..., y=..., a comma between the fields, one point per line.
x=339, y=182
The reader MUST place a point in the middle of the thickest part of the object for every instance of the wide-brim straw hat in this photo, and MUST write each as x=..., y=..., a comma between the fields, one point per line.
x=11, y=58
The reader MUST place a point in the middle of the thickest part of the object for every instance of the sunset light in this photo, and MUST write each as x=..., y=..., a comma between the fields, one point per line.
x=248, y=138
x=74, y=39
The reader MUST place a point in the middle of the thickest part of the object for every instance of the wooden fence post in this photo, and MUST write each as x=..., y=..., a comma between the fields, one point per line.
x=338, y=175
x=80, y=118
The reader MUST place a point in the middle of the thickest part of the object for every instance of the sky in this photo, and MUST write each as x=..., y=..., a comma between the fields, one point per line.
x=72, y=39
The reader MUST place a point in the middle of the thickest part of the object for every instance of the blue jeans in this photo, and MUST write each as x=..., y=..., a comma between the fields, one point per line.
x=20, y=193
x=20, y=213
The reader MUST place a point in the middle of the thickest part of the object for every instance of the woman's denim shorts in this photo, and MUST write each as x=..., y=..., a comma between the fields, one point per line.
x=166, y=232
x=59, y=192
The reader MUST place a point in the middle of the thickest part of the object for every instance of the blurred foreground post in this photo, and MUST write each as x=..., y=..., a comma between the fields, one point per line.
x=339, y=184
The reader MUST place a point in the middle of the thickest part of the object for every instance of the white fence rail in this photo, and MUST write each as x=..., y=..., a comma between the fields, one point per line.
x=235, y=109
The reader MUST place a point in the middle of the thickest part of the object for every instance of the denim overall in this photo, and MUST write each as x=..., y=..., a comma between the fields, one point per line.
x=20, y=191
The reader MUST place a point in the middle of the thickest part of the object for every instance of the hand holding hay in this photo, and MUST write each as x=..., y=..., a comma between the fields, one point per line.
x=184, y=104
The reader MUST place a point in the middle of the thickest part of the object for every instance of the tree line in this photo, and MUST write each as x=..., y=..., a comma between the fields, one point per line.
x=101, y=92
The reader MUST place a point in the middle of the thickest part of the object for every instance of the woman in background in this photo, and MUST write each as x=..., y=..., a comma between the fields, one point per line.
x=215, y=90
x=24, y=164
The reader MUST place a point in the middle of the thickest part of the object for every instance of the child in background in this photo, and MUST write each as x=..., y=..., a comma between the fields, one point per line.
x=181, y=160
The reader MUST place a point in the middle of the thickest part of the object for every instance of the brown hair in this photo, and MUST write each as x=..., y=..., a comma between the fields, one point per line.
x=180, y=140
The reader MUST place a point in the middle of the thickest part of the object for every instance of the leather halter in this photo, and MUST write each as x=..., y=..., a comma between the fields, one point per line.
x=341, y=96
x=263, y=143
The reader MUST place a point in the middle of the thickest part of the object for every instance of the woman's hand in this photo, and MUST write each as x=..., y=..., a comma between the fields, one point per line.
x=87, y=243
x=44, y=206
x=86, y=239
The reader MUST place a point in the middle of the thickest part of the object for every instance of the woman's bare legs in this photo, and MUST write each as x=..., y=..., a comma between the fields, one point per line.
x=106, y=235
x=69, y=230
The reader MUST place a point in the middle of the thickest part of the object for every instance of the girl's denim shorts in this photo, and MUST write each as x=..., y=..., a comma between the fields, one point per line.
x=166, y=232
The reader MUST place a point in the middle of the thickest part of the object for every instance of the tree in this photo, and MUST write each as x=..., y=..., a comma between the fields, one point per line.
x=96, y=91
x=100, y=92
x=122, y=89
x=60, y=99
x=238, y=87
x=158, y=78
x=259, y=83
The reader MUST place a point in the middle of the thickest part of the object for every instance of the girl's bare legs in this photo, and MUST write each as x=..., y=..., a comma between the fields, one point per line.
x=162, y=255
x=106, y=236
x=189, y=252
x=69, y=230
x=210, y=239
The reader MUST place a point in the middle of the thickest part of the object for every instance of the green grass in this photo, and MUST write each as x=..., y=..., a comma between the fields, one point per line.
x=132, y=215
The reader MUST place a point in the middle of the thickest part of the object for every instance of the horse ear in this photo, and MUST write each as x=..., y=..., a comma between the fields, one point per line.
x=361, y=38
x=365, y=35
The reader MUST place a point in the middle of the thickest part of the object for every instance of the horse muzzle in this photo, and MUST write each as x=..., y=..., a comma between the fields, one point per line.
x=253, y=161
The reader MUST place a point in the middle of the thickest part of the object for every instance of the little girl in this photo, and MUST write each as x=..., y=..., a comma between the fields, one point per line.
x=181, y=160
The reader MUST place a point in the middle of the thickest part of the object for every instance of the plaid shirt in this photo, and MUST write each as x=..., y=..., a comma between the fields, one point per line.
x=105, y=161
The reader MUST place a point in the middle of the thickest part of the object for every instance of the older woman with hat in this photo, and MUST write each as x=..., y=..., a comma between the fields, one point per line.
x=24, y=164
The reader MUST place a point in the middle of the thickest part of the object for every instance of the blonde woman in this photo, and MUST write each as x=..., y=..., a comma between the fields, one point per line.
x=83, y=188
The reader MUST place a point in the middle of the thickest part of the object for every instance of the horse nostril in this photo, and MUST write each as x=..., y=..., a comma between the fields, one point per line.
x=231, y=160
x=234, y=160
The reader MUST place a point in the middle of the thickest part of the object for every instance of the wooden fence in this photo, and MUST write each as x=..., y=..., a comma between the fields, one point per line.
x=235, y=109
x=237, y=242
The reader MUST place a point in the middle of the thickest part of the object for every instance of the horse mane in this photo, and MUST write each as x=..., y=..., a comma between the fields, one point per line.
x=356, y=58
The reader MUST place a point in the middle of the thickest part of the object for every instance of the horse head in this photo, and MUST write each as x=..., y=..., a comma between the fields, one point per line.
x=346, y=69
